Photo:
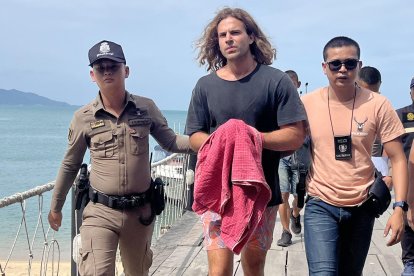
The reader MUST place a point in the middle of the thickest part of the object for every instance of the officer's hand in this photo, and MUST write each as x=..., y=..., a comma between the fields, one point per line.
x=410, y=218
x=388, y=181
x=55, y=220
x=396, y=224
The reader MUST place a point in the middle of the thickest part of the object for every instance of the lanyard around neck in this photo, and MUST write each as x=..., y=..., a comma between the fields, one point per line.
x=352, y=114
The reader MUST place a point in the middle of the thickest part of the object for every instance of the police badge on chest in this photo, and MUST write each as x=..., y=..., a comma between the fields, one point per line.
x=343, y=147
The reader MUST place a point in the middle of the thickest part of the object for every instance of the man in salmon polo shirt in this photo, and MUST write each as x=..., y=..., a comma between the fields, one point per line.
x=344, y=120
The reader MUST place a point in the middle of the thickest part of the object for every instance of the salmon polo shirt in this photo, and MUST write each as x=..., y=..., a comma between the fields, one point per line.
x=345, y=182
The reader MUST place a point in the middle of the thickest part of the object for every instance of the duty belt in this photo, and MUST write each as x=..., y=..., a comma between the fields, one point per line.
x=120, y=202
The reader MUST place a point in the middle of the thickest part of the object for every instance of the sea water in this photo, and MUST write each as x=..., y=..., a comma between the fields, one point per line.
x=33, y=141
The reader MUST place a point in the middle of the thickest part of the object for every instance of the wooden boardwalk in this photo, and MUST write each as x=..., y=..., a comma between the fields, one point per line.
x=180, y=252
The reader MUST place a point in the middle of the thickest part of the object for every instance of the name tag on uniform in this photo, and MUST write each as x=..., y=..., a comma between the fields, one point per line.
x=97, y=124
x=139, y=122
x=407, y=117
x=343, y=147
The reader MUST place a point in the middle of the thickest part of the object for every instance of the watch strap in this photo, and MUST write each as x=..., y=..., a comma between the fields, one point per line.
x=402, y=204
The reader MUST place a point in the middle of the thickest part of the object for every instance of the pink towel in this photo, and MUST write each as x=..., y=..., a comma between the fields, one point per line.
x=229, y=180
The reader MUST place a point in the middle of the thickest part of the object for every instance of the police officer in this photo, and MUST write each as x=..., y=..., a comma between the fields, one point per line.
x=406, y=115
x=115, y=127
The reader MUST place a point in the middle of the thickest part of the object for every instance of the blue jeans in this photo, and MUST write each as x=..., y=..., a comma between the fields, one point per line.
x=288, y=177
x=337, y=239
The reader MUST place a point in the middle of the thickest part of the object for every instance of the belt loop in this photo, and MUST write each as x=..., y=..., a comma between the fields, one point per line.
x=94, y=196
x=112, y=202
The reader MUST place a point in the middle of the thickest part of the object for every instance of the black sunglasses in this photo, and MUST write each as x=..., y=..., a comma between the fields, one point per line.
x=335, y=65
x=113, y=68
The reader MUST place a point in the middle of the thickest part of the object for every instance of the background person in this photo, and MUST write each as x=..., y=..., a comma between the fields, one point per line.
x=289, y=167
x=115, y=127
x=406, y=115
x=242, y=86
x=370, y=78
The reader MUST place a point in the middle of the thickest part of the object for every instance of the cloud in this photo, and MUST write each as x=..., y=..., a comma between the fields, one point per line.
x=46, y=42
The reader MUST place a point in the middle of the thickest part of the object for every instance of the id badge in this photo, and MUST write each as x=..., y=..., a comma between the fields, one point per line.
x=343, y=147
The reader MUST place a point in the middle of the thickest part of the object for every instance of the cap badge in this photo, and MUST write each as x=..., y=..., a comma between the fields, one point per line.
x=104, y=48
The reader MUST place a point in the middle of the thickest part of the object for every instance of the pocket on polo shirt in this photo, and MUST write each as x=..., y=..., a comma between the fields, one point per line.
x=102, y=144
x=139, y=139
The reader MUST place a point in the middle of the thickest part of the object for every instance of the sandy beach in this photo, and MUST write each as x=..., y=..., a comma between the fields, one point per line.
x=20, y=268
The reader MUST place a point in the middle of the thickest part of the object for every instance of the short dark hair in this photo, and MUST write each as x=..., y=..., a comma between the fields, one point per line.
x=369, y=75
x=340, y=41
x=292, y=73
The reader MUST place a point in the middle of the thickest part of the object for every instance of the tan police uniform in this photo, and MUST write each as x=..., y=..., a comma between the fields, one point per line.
x=119, y=152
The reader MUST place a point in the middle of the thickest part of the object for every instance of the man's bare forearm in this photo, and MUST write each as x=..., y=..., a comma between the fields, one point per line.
x=287, y=138
x=197, y=139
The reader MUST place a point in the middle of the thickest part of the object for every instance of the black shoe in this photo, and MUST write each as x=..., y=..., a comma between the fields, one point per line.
x=295, y=224
x=286, y=239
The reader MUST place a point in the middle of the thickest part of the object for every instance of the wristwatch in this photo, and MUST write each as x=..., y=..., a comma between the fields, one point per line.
x=402, y=204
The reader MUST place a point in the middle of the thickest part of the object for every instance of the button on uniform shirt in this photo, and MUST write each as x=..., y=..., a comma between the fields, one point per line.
x=119, y=147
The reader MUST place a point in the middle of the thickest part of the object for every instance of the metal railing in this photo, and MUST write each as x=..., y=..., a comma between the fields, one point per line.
x=173, y=170
x=49, y=243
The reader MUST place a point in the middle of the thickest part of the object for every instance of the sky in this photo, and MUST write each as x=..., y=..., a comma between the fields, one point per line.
x=45, y=43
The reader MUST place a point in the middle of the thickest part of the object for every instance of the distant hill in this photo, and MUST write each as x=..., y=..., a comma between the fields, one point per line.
x=16, y=97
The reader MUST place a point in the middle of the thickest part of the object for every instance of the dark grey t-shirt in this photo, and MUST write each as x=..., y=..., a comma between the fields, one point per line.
x=265, y=99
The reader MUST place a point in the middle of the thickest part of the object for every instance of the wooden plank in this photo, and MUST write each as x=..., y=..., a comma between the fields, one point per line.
x=298, y=243
x=194, y=237
x=199, y=265
x=160, y=255
x=277, y=233
x=182, y=256
x=181, y=253
x=391, y=264
x=178, y=233
x=276, y=263
x=373, y=266
x=162, y=271
x=237, y=267
x=382, y=220
x=296, y=263
x=380, y=224
x=373, y=249
x=380, y=242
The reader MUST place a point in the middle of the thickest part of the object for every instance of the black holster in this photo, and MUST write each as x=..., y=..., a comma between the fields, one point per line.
x=157, y=200
x=158, y=195
x=82, y=188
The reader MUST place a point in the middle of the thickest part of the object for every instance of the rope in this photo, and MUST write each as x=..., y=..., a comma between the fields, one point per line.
x=23, y=206
x=19, y=197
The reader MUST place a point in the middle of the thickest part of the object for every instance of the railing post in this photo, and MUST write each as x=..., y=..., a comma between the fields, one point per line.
x=73, y=234
x=76, y=223
x=190, y=188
